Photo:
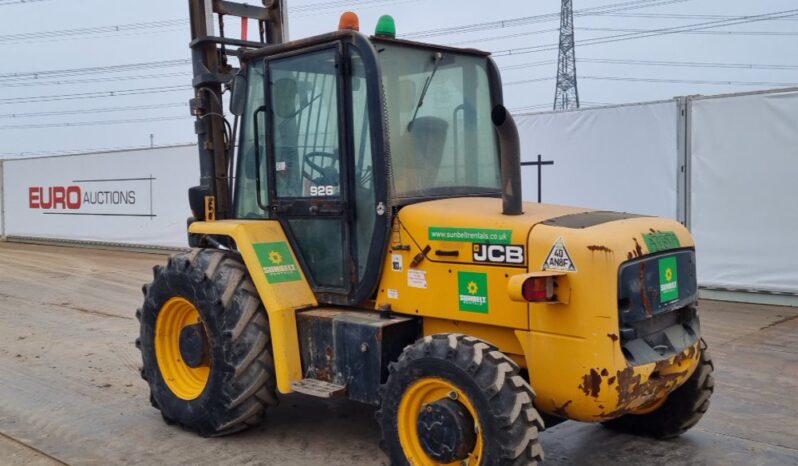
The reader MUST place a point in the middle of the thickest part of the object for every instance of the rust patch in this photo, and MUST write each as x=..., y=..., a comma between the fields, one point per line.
x=325, y=373
x=596, y=248
x=562, y=410
x=631, y=388
x=643, y=294
x=626, y=381
x=613, y=336
x=604, y=373
x=630, y=256
x=591, y=383
x=638, y=249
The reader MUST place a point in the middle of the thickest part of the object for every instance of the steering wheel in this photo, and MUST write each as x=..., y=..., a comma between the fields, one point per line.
x=317, y=174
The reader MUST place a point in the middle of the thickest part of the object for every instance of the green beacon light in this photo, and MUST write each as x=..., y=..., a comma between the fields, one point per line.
x=385, y=27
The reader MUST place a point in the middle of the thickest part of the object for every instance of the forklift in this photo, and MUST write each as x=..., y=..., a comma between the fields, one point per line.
x=358, y=232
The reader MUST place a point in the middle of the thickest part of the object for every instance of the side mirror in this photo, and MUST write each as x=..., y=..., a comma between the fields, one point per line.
x=238, y=95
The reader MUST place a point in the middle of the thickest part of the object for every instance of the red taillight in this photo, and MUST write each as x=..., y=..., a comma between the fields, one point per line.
x=537, y=289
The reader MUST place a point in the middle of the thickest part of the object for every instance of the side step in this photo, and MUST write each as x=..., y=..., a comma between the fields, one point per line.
x=318, y=388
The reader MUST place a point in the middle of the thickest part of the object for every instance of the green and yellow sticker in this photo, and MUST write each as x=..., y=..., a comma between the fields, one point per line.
x=661, y=241
x=473, y=291
x=277, y=262
x=668, y=280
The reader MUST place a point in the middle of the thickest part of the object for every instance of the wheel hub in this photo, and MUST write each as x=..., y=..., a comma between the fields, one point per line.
x=193, y=345
x=446, y=430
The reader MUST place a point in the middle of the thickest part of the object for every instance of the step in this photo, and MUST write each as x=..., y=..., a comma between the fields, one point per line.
x=318, y=388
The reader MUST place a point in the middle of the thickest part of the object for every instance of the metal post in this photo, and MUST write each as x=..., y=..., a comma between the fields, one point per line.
x=681, y=160
x=540, y=179
x=539, y=164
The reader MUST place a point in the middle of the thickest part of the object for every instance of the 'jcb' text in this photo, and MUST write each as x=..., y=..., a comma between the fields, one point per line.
x=499, y=253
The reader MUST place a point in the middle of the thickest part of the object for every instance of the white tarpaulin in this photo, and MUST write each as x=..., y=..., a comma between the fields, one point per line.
x=622, y=158
x=744, y=191
x=130, y=197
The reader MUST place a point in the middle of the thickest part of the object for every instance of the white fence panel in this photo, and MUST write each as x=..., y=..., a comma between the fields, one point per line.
x=622, y=158
x=744, y=191
x=131, y=197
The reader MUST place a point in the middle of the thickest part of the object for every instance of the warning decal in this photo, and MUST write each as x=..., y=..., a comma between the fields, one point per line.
x=559, y=259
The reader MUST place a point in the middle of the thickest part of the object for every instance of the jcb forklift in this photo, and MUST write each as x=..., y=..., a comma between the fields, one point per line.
x=367, y=240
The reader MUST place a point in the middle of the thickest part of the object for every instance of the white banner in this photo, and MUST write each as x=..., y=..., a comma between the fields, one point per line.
x=132, y=197
x=622, y=158
x=2, y=210
x=744, y=192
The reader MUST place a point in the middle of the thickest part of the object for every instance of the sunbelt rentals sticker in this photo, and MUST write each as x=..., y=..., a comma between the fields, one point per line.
x=473, y=291
x=668, y=280
x=277, y=262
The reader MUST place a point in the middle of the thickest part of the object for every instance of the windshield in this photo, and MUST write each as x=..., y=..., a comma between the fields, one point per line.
x=442, y=139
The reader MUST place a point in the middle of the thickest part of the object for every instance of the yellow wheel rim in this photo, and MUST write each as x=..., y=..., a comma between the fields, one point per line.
x=186, y=382
x=419, y=394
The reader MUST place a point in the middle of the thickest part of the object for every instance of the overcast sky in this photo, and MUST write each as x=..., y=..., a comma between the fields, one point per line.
x=47, y=114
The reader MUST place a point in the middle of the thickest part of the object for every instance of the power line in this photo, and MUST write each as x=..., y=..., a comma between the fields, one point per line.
x=93, y=30
x=27, y=75
x=18, y=2
x=652, y=33
x=468, y=28
x=92, y=95
x=95, y=123
x=529, y=65
x=688, y=64
x=94, y=110
x=528, y=81
x=679, y=16
x=661, y=80
x=691, y=81
x=89, y=150
x=697, y=31
x=172, y=63
x=95, y=80
x=169, y=24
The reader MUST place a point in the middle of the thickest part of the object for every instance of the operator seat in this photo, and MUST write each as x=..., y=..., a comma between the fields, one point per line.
x=420, y=161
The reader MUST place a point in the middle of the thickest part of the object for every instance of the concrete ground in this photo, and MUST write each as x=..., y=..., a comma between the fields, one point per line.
x=70, y=391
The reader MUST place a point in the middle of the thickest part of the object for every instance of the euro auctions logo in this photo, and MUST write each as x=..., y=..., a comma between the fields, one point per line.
x=121, y=197
x=55, y=197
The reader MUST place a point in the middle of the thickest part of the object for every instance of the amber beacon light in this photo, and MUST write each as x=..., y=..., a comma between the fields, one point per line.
x=349, y=20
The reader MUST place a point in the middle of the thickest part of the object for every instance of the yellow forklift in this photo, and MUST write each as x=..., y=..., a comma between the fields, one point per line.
x=367, y=240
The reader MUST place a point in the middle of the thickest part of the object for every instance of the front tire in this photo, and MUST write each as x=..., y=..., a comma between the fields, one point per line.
x=457, y=398
x=205, y=344
x=680, y=412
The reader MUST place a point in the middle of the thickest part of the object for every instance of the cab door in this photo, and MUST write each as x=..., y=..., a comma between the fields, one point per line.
x=314, y=158
x=307, y=161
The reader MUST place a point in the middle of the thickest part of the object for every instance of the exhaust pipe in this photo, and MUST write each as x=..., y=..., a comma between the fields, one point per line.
x=510, y=149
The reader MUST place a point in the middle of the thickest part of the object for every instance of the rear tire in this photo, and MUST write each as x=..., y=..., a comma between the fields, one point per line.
x=239, y=382
x=680, y=412
x=479, y=376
